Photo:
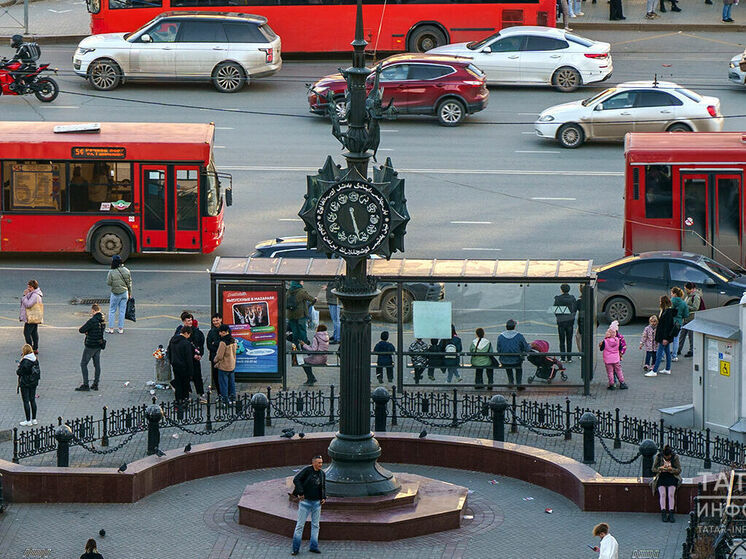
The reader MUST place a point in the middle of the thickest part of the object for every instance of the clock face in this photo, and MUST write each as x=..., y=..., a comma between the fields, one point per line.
x=353, y=218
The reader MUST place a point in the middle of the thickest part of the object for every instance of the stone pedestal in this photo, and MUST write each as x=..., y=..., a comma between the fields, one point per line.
x=421, y=506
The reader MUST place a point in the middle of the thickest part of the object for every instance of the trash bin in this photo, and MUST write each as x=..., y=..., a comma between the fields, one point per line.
x=162, y=367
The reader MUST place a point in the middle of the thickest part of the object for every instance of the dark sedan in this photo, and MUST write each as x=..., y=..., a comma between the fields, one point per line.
x=631, y=287
x=385, y=303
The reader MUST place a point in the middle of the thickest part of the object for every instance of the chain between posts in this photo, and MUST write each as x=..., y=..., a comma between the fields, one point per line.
x=228, y=423
x=614, y=458
x=536, y=431
x=139, y=429
x=282, y=414
x=403, y=412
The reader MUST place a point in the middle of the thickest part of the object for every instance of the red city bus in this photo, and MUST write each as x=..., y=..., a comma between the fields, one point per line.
x=111, y=188
x=683, y=191
x=328, y=25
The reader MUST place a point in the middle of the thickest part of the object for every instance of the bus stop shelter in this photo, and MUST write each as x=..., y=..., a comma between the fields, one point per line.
x=259, y=284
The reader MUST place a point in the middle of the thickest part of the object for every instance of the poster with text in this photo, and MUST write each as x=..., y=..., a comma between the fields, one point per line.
x=253, y=317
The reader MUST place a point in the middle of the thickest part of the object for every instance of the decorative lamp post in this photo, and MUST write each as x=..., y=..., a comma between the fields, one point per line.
x=351, y=216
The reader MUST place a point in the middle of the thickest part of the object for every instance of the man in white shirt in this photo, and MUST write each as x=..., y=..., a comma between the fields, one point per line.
x=609, y=548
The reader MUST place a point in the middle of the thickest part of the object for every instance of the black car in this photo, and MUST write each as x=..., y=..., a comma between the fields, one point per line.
x=385, y=303
x=632, y=286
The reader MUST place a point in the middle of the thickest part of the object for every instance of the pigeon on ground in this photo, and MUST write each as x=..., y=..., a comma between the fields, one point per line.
x=123, y=467
x=159, y=452
x=301, y=435
x=288, y=434
x=423, y=434
x=188, y=447
x=286, y=429
x=102, y=532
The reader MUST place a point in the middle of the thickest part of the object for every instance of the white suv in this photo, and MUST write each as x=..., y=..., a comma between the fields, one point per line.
x=228, y=49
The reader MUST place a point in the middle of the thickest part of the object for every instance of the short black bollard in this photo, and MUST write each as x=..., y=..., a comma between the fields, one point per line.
x=64, y=435
x=648, y=450
x=381, y=399
x=154, y=414
x=259, y=403
x=588, y=422
x=498, y=405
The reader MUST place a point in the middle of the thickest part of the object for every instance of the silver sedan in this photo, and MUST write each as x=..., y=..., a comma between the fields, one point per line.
x=642, y=106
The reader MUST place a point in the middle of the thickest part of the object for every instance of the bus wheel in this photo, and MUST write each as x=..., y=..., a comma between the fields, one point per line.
x=567, y=79
x=620, y=309
x=104, y=75
x=109, y=241
x=571, y=136
x=425, y=38
x=679, y=127
x=228, y=77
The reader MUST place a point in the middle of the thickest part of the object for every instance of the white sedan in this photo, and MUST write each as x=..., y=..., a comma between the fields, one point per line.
x=537, y=55
x=643, y=106
x=737, y=69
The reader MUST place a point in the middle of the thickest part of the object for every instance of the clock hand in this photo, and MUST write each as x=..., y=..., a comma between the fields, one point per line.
x=354, y=222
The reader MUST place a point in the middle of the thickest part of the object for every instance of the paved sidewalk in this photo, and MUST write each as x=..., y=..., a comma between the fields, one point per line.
x=499, y=522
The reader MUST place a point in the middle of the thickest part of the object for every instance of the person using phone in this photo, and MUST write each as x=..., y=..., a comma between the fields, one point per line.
x=667, y=470
x=609, y=548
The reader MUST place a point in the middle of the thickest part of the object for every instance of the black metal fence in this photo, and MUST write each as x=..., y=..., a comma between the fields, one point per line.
x=316, y=408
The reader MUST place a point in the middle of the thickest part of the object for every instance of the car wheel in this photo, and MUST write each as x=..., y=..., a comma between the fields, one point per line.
x=621, y=310
x=567, y=79
x=228, y=77
x=451, y=112
x=341, y=105
x=104, y=75
x=571, y=136
x=109, y=241
x=390, y=308
x=679, y=127
x=425, y=38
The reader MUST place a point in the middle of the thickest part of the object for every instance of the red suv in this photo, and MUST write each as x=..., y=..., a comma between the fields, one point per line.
x=448, y=87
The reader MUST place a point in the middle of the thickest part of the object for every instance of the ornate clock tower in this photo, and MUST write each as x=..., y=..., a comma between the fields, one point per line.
x=349, y=215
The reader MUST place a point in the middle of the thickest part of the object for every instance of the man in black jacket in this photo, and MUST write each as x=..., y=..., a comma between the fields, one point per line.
x=197, y=339
x=181, y=356
x=93, y=344
x=213, y=341
x=564, y=311
x=310, y=488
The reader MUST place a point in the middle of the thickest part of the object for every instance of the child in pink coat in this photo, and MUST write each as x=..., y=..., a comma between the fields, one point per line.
x=648, y=343
x=612, y=359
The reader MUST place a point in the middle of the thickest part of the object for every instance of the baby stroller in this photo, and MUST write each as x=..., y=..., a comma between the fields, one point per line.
x=546, y=367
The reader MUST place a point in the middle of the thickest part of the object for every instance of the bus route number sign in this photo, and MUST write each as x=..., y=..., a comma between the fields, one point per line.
x=96, y=152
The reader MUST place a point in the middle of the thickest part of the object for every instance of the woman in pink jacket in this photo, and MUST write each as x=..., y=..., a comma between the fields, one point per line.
x=320, y=342
x=612, y=359
x=31, y=296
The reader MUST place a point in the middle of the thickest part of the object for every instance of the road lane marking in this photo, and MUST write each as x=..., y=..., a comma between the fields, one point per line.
x=569, y=173
x=59, y=106
x=551, y=198
x=478, y=248
x=472, y=222
x=529, y=114
x=535, y=151
x=219, y=147
x=224, y=128
x=532, y=132
x=388, y=130
x=290, y=219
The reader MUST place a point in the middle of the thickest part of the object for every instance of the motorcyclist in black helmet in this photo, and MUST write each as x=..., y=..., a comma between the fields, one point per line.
x=27, y=54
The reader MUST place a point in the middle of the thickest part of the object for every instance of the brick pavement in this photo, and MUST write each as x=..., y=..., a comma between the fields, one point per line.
x=504, y=525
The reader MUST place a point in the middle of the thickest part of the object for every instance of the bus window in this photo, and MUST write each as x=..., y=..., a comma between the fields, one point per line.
x=187, y=200
x=100, y=186
x=213, y=196
x=34, y=186
x=658, y=192
x=155, y=200
x=124, y=4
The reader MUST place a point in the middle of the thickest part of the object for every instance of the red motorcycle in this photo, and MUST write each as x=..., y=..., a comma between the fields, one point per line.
x=29, y=81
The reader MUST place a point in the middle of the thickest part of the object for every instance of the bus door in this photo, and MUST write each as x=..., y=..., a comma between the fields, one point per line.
x=711, y=214
x=170, y=205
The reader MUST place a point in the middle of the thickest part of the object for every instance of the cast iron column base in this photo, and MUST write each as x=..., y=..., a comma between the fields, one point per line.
x=354, y=471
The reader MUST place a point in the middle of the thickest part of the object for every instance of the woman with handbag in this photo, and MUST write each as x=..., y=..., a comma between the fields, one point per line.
x=28, y=379
x=32, y=313
x=664, y=336
x=119, y=280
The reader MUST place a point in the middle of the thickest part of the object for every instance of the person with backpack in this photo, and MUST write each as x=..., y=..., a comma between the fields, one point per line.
x=565, y=307
x=225, y=362
x=320, y=342
x=385, y=358
x=452, y=349
x=29, y=374
x=297, y=300
x=419, y=361
x=94, y=342
x=682, y=313
x=481, y=362
x=512, y=341
x=434, y=358
x=119, y=280
x=694, y=302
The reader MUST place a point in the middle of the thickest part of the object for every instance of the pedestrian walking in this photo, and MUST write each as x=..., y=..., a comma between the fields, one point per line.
x=434, y=358
x=667, y=470
x=609, y=548
x=297, y=300
x=612, y=359
x=452, y=349
x=565, y=307
x=419, y=361
x=225, y=362
x=616, y=11
x=580, y=310
x=512, y=341
x=575, y=8
x=309, y=485
x=32, y=313
x=694, y=302
x=92, y=345
x=91, y=552
x=650, y=10
x=197, y=339
x=682, y=313
x=648, y=343
x=664, y=335
x=213, y=341
x=564, y=8
x=333, y=303
x=29, y=373
x=384, y=351
x=727, y=9
x=119, y=280
x=320, y=342
x=181, y=356
x=481, y=362
x=674, y=6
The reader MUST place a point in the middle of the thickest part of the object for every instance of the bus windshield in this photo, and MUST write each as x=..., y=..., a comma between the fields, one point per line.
x=212, y=185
